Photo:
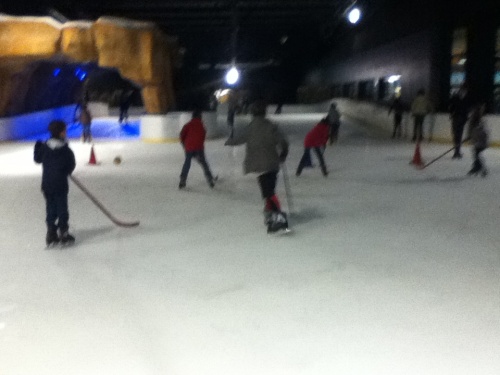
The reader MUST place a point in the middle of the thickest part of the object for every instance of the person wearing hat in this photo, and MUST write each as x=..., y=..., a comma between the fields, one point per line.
x=266, y=148
x=58, y=162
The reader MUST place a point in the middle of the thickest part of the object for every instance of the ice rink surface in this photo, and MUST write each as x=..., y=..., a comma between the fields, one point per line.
x=389, y=271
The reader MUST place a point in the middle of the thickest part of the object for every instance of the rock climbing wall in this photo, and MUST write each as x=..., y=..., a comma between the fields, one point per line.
x=140, y=52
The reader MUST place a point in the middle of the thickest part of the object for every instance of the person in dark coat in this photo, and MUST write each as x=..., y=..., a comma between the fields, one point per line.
x=459, y=113
x=124, y=106
x=266, y=148
x=397, y=107
x=478, y=135
x=316, y=139
x=333, y=118
x=58, y=163
x=193, y=140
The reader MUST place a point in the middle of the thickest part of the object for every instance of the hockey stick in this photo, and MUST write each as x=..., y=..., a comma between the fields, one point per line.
x=288, y=191
x=101, y=207
x=442, y=155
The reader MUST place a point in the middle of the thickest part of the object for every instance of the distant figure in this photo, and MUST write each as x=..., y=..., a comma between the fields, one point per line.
x=193, y=140
x=479, y=137
x=315, y=139
x=124, y=106
x=419, y=109
x=231, y=112
x=279, y=107
x=85, y=119
x=398, y=107
x=58, y=163
x=333, y=118
x=266, y=148
x=459, y=113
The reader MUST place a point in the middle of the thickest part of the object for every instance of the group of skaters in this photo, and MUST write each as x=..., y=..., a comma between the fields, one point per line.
x=266, y=149
x=462, y=110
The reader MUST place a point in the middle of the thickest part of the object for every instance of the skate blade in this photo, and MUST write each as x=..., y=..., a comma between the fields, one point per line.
x=283, y=231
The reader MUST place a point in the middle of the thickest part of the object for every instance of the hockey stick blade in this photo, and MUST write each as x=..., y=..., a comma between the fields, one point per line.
x=103, y=209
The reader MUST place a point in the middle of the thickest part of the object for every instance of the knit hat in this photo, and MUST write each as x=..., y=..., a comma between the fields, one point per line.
x=259, y=108
x=56, y=127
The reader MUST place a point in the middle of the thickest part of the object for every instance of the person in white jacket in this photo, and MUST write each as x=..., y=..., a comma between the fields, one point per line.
x=420, y=107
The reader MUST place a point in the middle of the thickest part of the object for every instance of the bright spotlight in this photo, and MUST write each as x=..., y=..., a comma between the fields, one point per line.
x=354, y=15
x=393, y=78
x=232, y=76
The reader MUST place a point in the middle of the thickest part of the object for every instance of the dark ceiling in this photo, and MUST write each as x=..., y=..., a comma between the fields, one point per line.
x=211, y=31
x=289, y=35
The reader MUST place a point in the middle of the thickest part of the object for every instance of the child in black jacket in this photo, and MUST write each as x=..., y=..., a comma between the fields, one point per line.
x=58, y=163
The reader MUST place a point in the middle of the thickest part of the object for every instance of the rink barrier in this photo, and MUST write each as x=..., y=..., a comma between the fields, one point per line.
x=32, y=124
x=437, y=124
x=166, y=128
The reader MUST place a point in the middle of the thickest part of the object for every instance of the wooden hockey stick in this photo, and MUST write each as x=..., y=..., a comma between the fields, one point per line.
x=103, y=209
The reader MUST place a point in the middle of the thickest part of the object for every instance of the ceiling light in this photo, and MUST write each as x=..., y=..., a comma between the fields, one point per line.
x=354, y=15
x=232, y=76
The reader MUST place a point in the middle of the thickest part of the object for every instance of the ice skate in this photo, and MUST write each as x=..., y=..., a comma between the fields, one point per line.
x=67, y=239
x=277, y=222
x=51, y=238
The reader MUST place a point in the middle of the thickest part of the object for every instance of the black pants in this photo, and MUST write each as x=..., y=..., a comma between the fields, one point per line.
x=306, y=158
x=418, y=125
x=478, y=165
x=457, y=129
x=333, y=132
x=200, y=157
x=267, y=183
x=57, y=215
x=398, y=117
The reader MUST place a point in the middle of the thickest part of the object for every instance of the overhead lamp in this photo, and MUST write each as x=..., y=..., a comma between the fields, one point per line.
x=393, y=78
x=354, y=15
x=232, y=76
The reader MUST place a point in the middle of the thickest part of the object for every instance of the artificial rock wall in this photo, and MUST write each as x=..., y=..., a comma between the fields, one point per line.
x=139, y=50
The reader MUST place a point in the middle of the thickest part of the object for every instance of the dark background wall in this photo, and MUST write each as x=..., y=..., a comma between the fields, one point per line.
x=409, y=57
x=413, y=38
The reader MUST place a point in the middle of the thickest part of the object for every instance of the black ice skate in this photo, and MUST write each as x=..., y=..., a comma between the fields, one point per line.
x=67, y=239
x=277, y=222
x=51, y=238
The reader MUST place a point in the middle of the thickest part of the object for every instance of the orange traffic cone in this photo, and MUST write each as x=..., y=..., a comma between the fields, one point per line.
x=92, y=160
x=417, y=157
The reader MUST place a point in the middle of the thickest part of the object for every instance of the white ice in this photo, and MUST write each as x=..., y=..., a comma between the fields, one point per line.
x=390, y=270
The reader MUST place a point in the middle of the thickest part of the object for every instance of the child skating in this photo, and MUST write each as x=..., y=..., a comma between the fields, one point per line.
x=58, y=163
x=193, y=140
x=316, y=139
x=266, y=148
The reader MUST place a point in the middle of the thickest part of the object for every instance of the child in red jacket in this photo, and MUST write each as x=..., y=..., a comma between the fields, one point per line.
x=193, y=140
x=315, y=139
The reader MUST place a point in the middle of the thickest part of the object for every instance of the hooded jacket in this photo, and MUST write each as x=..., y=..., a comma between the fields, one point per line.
x=317, y=136
x=58, y=162
x=193, y=135
x=266, y=146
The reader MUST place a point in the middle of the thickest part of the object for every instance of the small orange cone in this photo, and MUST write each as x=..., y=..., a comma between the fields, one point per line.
x=417, y=157
x=92, y=160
